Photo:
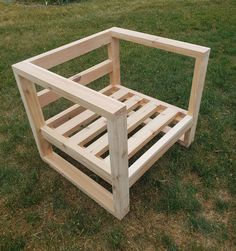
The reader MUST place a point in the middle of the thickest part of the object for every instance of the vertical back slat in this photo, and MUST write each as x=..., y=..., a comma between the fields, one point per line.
x=114, y=55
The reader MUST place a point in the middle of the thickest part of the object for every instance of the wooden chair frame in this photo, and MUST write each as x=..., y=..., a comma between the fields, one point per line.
x=113, y=113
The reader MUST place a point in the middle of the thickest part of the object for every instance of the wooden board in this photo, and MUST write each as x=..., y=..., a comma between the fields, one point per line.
x=68, y=89
x=89, y=131
x=81, y=180
x=85, y=77
x=179, y=47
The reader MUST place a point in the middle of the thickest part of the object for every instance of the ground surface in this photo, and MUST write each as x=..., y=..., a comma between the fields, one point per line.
x=187, y=200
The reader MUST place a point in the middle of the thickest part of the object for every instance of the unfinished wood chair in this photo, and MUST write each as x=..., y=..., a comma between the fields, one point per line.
x=104, y=130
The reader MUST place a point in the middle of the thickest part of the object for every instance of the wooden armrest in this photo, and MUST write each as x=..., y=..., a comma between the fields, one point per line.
x=84, y=96
x=166, y=44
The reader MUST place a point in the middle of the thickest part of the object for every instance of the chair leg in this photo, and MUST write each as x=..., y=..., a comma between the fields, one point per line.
x=196, y=95
x=34, y=112
x=118, y=148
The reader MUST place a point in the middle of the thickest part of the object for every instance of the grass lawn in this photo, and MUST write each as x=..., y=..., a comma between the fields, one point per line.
x=187, y=200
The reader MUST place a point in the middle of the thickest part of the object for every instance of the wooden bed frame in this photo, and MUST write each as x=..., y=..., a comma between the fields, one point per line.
x=98, y=130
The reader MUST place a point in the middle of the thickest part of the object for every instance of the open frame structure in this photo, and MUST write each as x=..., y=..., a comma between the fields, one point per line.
x=104, y=130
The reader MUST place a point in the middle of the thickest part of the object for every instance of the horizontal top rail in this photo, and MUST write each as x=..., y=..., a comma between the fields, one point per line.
x=86, y=97
x=72, y=50
x=166, y=44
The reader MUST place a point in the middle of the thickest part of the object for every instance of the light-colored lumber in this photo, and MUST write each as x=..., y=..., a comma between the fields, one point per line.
x=166, y=44
x=101, y=145
x=93, y=73
x=72, y=50
x=74, y=124
x=141, y=115
x=29, y=97
x=149, y=131
x=166, y=128
x=93, y=163
x=85, y=77
x=117, y=136
x=143, y=163
x=98, y=126
x=196, y=95
x=104, y=129
x=64, y=115
x=88, y=98
x=145, y=134
x=70, y=112
x=114, y=55
x=85, y=117
x=46, y=97
x=155, y=100
x=81, y=180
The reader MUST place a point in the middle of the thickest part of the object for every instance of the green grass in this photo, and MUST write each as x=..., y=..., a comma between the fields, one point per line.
x=177, y=197
x=10, y=243
x=167, y=242
x=221, y=205
x=207, y=227
x=115, y=239
x=187, y=200
x=32, y=218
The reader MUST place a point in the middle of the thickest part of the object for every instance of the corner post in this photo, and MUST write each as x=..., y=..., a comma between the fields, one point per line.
x=118, y=149
x=199, y=75
x=34, y=112
x=114, y=55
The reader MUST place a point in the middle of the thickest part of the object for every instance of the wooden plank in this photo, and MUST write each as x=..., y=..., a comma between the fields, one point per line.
x=89, y=132
x=141, y=115
x=166, y=44
x=149, y=131
x=93, y=163
x=72, y=50
x=85, y=117
x=29, y=97
x=70, y=112
x=88, y=98
x=178, y=117
x=157, y=101
x=117, y=134
x=76, y=123
x=101, y=145
x=46, y=97
x=166, y=128
x=142, y=164
x=85, y=77
x=64, y=116
x=81, y=180
x=196, y=95
x=93, y=73
x=114, y=55
x=98, y=126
